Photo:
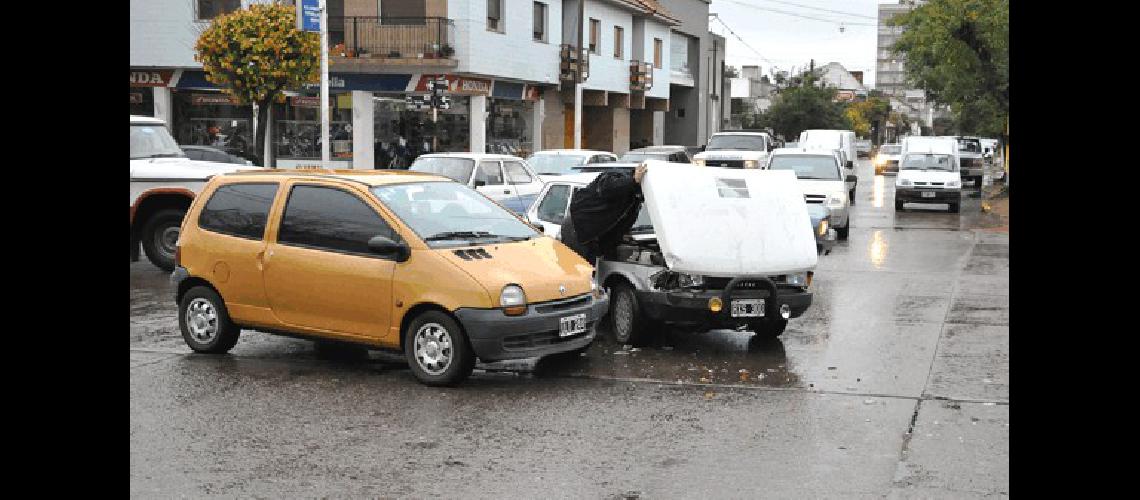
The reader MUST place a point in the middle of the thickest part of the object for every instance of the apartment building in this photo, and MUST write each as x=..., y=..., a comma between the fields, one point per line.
x=699, y=105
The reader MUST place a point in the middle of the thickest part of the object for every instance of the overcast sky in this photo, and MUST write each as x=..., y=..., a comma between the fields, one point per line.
x=785, y=40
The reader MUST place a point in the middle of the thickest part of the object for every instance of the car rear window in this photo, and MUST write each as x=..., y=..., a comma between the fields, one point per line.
x=239, y=209
x=458, y=169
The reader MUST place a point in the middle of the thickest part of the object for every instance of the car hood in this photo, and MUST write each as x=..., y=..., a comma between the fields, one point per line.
x=540, y=266
x=752, y=222
x=731, y=155
x=822, y=187
x=182, y=168
x=927, y=176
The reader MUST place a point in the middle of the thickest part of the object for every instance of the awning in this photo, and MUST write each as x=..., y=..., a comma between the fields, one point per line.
x=196, y=79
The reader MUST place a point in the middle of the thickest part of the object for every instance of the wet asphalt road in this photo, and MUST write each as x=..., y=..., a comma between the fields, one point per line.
x=893, y=384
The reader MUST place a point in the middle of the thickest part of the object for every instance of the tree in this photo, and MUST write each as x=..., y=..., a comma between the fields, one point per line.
x=958, y=50
x=801, y=108
x=863, y=114
x=255, y=54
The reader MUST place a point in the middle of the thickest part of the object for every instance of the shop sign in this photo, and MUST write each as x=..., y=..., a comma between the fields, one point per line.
x=213, y=100
x=151, y=78
x=305, y=101
x=136, y=98
x=365, y=82
x=458, y=85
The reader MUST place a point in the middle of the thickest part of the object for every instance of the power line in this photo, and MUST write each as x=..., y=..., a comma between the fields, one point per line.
x=852, y=14
x=741, y=39
x=802, y=16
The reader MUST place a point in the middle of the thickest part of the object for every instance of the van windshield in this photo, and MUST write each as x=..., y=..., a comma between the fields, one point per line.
x=928, y=162
x=737, y=142
x=153, y=141
x=458, y=169
x=807, y=166
x=890, y=149
x=450, y=214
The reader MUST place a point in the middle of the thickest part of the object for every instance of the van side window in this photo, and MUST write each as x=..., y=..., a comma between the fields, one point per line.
x=553, y=206
x=239, y=210
x=330, y=219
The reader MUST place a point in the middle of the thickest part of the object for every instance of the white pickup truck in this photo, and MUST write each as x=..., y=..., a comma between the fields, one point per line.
x=735, y=150
x=163, y=183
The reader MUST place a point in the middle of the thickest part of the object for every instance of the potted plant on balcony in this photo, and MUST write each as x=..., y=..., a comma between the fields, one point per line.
x=393, y=53
x=446, y=50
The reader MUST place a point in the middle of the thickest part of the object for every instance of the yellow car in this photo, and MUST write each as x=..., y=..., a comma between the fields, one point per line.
x=388, y=259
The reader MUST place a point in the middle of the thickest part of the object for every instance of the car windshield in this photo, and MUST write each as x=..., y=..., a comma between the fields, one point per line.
x=153, y=141
x=737, y=142
x=555, y=164
x=645, y=155
x=807, y=166
x=642, y=225
x=890, y=149
x=458, y=169
x=968, y=146
x=451, y=214
x=928, y=162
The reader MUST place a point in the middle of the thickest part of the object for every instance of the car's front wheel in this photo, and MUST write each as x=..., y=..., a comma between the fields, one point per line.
x=205, y=322
x=627, y=323
x=437, y=350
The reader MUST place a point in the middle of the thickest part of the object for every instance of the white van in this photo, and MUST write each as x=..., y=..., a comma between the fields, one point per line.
x=929, y=173
x=843, y=140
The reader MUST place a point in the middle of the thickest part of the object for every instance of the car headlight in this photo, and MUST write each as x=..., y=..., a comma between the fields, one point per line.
x=822, y=231
x=834, y=202
x=699, y=162
x=954, y=184
x=879, y=160
x=689, y=280
x=751, y=163
x=797, y=279
x=904, y=182
x=513, y=300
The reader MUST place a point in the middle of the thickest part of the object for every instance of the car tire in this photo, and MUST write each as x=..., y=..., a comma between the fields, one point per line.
x=627, y=323
x=205, y=322
x=899, y=206
x=955, y=207
x=768, y=328
x=160, y=235
x=842, y=232
x=437, y=350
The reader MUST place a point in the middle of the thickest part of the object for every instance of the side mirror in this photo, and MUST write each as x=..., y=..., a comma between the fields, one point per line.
x=850, y=164
x=480, y=183
x=851, y=178
x=384, y=246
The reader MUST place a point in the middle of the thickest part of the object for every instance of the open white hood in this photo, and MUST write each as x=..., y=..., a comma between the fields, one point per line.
x=729, y=222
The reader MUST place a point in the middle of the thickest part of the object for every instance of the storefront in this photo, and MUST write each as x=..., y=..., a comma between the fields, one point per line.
x=402, y=134
x=143, y=82
x=203, y=115
x=297, y=127
x=510, y=120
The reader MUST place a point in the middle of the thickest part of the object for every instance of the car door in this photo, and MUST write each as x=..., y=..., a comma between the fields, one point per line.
x=318, y=272
x=236, y=215
x=526, y=185
x=488, y=179
x=550, y=211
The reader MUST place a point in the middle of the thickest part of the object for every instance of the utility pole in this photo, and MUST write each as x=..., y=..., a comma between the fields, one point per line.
x=582, y=53
x=325, y=146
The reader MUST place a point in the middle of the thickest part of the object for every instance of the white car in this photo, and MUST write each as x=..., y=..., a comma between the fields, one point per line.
x=506, y=179
x=887, y=159
x=563, y=161
x=735, y=150
x=929, y=173
x=843, y=140
x=821, y=177
x=163, y=183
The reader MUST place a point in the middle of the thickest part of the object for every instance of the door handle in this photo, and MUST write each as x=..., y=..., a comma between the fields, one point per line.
x=506, y=191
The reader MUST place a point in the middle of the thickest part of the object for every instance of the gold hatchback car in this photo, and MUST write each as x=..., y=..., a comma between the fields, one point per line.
x=387, y=260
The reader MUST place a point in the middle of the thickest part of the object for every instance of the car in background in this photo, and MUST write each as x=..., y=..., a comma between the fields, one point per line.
x=887, y=159
x=972, y=164
x=621, y=166
x=792, y=145
x=672, y=154
x=562, y=161
x=863, y=148
x=209, y=153
x=822, y=180
x=929, y=173
x=735, y=150
x=844, y=141
x=506, y=179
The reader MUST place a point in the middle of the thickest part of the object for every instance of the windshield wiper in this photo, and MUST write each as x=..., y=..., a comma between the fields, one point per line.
x=460, y=235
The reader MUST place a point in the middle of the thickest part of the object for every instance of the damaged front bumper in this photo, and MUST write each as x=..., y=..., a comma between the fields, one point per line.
x=694, y=305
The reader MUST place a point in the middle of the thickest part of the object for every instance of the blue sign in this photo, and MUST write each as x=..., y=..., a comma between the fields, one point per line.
x=309, y=15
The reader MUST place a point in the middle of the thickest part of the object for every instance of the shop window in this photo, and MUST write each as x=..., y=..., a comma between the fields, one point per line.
x=402, y=134
x=297, y=128
x=209, y=9
x=509, y=127
x=142, y=101
x=212, y=118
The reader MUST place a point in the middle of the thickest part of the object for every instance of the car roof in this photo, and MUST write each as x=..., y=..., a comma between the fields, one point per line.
x=571, y=151
x=581, y=178
x=742, y=132
x=804, y=151
x=136, y=119
x=657, y=149
x=201, y=147
x=369, y=177
x=471, y=156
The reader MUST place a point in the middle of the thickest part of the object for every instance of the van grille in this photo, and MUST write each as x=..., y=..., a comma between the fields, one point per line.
x=814, y=198
x=472, y=254
x=725, y=163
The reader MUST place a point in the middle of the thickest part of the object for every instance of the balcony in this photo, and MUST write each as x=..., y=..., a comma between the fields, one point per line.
x=369, y=42
x=640, y=76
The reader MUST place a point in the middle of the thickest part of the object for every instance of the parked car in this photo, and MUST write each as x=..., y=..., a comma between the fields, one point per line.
x=383, y=259
x=825, y=234
x=704, y=272
x=863, y=148
x=623, y=166
x=675, y=154
x=164, y=181
x=887, y=159
x=735, y=150
x=971, y=163
x=822, y=180
x=562, y=161
x=506, y=179
x=928, y=173
x=844, y=141
x=210, y=153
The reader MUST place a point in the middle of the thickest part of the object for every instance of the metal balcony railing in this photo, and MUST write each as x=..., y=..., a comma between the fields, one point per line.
x=393, y=37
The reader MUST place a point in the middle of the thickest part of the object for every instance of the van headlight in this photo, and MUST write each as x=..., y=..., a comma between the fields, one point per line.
x=797, y=279
x=822, y=228
x=751, y=163
x=513, y=300
x=904, y=182
x=698, y=162
x=834, y=202
x=954, y=184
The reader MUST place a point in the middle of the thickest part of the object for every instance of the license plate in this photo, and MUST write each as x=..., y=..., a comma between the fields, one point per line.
x=747, y=308
x=927, y=194
x=572, y=325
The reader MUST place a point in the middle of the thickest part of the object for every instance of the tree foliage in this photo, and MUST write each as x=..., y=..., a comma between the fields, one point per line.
x=257, y=53
x=958, y=50
x=863, y=114
x=802, y=108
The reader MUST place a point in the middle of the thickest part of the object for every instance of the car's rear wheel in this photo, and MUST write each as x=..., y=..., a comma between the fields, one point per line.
x=160, y=237
x=851, y=196
x=842, y=232
x=955, y=207
x=437, y=350
x=898, y=205
x=768, y=328
x=627, y=323
x=205, y=323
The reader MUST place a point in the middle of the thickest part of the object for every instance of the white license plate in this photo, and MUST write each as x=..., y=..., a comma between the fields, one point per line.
x=572, y=325
x=928, y=194
x=747, y=308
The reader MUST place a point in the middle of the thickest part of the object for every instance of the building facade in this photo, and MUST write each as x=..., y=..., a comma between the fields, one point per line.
x=890, y=68
x=697, y=91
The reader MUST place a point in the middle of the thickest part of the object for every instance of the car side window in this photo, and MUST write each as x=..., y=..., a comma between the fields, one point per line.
x=489, y=172
x=218, y=156
x=552, y=209
x=193, y=154
x=516, y=173
x=329, y=218
x=239, y=210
